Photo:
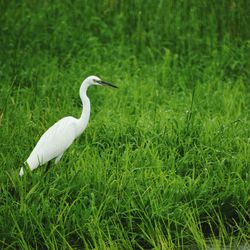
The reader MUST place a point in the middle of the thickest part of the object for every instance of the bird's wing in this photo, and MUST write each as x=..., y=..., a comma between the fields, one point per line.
x=53, y=142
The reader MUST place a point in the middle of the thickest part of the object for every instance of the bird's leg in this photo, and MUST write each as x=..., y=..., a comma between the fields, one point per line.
x=48, y=167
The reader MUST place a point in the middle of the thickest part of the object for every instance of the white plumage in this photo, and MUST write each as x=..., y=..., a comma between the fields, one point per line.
x=61, y=135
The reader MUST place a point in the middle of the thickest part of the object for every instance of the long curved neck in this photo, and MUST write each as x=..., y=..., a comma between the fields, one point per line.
x=84, y=119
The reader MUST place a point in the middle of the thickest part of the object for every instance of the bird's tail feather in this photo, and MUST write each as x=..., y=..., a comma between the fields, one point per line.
x=21, y=172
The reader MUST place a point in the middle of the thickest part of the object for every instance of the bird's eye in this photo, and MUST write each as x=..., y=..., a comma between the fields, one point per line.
x=96, y=80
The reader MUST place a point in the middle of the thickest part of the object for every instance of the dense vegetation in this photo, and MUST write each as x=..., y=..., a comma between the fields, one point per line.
x=164, y=162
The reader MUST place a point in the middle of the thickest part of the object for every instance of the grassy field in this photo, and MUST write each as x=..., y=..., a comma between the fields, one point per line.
x=165, y=160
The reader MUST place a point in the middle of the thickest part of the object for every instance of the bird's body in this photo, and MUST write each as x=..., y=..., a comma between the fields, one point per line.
x=55, y=141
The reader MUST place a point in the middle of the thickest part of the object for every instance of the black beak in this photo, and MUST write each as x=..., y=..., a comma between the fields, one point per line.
x=107, y=84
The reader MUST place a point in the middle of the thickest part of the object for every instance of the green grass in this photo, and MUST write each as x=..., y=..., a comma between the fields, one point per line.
x=164, y=162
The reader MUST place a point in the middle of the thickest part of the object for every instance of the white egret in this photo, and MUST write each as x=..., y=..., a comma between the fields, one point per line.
x=54, y=142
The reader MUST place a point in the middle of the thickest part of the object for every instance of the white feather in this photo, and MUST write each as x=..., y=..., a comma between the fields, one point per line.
x=53, y=142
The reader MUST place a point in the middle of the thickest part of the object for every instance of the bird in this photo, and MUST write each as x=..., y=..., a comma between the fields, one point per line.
x=58, y=138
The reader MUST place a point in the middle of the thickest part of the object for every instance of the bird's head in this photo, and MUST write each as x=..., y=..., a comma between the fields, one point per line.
x=94, y=80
